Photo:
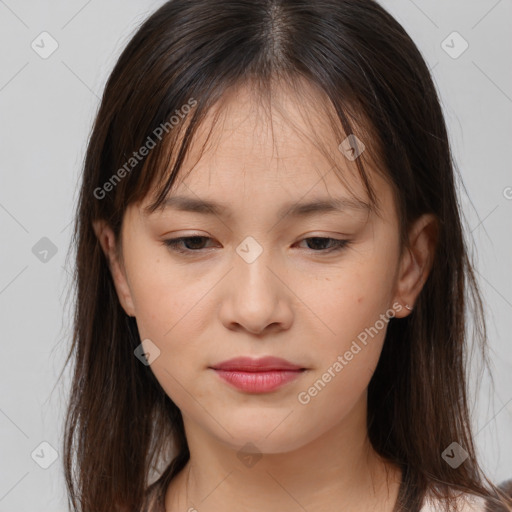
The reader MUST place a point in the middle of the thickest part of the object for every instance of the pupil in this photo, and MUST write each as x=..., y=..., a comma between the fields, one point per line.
x=191, y=241
x=316, y=241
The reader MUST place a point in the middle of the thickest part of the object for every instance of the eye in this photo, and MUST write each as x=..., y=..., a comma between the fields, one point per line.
x=176, y=243
x=196, y=244
x=337, y=245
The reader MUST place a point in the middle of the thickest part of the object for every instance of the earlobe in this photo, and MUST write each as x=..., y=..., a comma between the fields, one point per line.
x=416, y=261
x=107, y=240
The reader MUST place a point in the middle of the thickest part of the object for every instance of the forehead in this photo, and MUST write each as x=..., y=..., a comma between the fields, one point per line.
x=251, y=151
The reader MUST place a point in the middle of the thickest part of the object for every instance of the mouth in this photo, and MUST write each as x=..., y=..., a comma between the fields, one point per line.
x=258, y=375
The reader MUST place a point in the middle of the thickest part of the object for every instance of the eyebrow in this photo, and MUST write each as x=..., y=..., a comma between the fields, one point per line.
x=294, y=209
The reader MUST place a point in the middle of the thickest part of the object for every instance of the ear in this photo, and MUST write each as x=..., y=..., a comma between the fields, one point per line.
x=416, y=261
x=108, y=243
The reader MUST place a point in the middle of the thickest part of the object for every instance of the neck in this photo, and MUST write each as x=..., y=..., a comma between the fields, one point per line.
x=338, y=470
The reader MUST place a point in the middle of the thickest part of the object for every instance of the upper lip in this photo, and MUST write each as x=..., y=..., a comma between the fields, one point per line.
x=262, y=364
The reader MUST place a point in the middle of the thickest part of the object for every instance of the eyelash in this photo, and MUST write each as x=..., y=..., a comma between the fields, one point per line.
x=173, y=243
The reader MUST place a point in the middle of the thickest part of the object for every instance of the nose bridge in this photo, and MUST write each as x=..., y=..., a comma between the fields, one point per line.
x=255, y=297
x=252, y=273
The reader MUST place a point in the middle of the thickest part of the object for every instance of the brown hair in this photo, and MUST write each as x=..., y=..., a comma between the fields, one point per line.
x=122, y=430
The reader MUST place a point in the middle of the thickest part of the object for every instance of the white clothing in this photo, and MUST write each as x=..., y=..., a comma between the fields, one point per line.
x=468, y=503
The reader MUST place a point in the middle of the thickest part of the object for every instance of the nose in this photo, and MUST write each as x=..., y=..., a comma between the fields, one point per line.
x=256, y=298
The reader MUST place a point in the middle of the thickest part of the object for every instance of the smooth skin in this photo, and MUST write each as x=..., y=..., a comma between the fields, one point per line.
x=298, y=300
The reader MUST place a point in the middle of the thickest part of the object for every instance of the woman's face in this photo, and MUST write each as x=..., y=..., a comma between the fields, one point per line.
x=267, y=279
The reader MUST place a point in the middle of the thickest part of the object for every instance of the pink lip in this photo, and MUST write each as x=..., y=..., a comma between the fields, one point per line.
x=257, y=375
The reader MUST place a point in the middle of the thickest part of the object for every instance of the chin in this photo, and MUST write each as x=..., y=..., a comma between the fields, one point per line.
x=264, y=446
x=269, y=437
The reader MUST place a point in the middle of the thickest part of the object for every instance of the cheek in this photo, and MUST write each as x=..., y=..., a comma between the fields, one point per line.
x=351, y=301
x=355, y=306
x=172, y=309
x=346, y=357
x=169, y=307
x=164, y=295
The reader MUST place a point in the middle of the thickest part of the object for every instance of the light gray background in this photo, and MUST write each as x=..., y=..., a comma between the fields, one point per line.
x=47, y=107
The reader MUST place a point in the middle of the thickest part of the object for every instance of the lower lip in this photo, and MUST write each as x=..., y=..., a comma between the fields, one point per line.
x=258, y=382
